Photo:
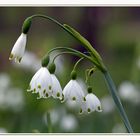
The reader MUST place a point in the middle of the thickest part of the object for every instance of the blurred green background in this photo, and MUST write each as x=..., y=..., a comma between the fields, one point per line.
x=114, y=32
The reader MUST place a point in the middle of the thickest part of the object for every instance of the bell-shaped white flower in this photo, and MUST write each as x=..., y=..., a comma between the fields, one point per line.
x=73, y=91
x=41, y=83
x=19, y=48
x=92, y=103
x=56, y=87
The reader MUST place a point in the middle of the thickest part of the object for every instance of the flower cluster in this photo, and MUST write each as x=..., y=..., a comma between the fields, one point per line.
x=45, y=83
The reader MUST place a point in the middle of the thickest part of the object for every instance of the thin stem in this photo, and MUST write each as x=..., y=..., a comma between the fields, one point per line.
x=97, y=59
x=49, y=122
x=117, y=101
x=77, y=63
x=76, y=53
x=66, y=48
x=73, y=53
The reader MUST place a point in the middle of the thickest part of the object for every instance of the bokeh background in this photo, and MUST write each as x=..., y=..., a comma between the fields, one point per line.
x=114, y=32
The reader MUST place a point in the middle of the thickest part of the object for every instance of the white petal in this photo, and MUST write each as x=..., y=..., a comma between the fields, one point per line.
x=34, y=79
x=41, y=83
x=46, y=84
x=66, y=90
x=91, y=104
x=77, y=91
x=73, y=91
x=57, y=90
x=19, y=48
x=97, y=104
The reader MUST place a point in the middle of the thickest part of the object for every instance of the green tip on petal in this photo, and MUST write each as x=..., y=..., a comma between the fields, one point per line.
x=19, y=60
x=99, y=108
x=47, y=95
x=80, y=111
x=34, y=90
x=84, y=98
x=73, y=98
x=62, y=100
x=89, y=110
x=11, y=56
x=44, y=91
x=50, y=87
x=39, y=86
x=58, y=94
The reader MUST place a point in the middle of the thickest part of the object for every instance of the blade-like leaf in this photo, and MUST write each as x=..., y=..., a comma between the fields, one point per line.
x=84, y=41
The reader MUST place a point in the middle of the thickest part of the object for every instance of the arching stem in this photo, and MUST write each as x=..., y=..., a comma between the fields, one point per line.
x=78, y=37
x=77, y=63
x=75, y=52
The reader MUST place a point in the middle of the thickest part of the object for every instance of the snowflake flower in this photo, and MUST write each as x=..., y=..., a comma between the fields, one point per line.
x=19, y=48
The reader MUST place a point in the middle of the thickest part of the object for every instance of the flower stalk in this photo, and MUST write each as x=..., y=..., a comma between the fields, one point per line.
x=49, y=122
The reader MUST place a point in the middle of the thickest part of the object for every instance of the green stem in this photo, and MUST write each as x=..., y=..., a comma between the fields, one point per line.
x=49, y=122
x=73, y=53
x=78, y=53
x=117, y=101
x=78, y=37
x=77, y=63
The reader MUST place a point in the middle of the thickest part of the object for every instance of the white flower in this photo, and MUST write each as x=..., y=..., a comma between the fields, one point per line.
x=68, y=123
x=19, y=48
x=56, y=87
x=128, y=91
x=91, y=104
x=41, y=83
x=73, y=91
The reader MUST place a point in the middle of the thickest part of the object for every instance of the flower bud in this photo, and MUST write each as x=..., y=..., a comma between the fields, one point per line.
x=73, y=75
x=26, y=25
x=52, y=68
x=45, y=61
x=89, y=89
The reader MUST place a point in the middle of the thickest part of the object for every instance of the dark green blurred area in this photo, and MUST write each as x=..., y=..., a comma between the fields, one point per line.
x=114, y=32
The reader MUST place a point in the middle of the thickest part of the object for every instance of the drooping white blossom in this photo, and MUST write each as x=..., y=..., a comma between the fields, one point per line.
x=92, y=103
x=41, y=83
x=19, y=48
x=73, y=91
x=56, y=87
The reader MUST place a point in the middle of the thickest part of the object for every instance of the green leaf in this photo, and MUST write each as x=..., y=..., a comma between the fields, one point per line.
x=84, y=41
